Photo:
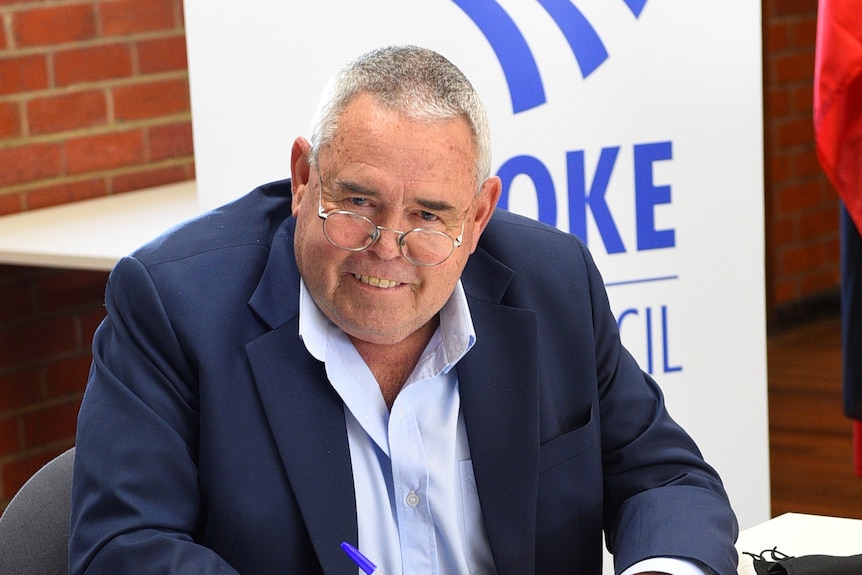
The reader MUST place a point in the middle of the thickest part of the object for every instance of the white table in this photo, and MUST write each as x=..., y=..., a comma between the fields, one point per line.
x=797, y=534
x=94, y=234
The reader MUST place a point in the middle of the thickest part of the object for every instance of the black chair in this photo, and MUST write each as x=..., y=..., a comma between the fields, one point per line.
x=34, y=528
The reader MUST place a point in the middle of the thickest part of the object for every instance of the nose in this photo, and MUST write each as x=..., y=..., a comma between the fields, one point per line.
x=386, y=247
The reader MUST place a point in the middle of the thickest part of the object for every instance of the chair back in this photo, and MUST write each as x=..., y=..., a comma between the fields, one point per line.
x=34, y=528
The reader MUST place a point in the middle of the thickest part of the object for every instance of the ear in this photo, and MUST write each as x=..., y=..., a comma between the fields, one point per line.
x=486, y=203
x=300, y=171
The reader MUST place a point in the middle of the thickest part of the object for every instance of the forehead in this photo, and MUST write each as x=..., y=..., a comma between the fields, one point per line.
x=373, y=139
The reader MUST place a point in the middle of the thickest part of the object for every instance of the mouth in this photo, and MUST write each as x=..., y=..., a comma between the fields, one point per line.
x=377, y=282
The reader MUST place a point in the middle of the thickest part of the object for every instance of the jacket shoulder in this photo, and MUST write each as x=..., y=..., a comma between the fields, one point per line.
x=251, y=220
x=517, y=240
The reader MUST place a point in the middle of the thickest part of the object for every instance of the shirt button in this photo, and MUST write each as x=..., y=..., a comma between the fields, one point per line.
x=412, y=499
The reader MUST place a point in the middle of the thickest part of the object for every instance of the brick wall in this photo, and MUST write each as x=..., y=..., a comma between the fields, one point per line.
x=802, y=207
x=93, y=101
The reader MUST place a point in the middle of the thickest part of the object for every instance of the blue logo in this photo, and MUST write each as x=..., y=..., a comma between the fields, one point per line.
x=516, y=58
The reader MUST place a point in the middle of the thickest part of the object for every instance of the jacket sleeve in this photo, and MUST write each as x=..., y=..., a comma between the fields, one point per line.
x=135, y=500
x=661, y=498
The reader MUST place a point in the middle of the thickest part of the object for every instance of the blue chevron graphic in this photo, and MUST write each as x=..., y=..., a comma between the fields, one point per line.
x=636, y=6
x=519, y=66
x=580, y=34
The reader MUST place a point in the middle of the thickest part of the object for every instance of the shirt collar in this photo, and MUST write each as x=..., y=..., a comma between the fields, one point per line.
x=452, y=340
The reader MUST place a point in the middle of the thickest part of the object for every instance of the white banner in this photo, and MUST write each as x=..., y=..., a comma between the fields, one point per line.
x=634, y=123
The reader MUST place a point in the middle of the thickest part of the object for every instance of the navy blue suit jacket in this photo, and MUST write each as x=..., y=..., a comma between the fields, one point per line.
x=210, y=441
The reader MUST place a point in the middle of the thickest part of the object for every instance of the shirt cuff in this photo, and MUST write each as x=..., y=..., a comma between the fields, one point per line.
x=666, y=565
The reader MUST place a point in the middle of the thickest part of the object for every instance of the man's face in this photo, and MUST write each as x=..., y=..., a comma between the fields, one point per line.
x=401, y=174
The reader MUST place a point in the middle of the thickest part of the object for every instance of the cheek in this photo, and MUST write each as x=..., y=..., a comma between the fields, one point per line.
x=307, y=247
x=440, y=282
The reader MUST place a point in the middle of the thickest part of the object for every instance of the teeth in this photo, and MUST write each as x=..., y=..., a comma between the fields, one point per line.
x=377, y=282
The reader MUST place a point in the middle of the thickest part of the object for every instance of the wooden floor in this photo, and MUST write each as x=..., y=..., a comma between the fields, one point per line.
x=811, y=455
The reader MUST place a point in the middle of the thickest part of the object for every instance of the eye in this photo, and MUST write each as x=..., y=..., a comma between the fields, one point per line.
x=428, y=216
x=358, y=202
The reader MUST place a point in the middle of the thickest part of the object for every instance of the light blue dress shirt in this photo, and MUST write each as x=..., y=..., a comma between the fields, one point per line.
x=417, y=506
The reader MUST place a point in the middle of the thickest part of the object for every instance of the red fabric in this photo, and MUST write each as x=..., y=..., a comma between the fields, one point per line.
x=838, y=116
x=838, y=99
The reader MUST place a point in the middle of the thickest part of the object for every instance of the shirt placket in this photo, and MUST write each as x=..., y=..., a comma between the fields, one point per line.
x=410, y=476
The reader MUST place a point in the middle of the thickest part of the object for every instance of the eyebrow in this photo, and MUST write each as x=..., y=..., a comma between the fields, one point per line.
x=430, y=205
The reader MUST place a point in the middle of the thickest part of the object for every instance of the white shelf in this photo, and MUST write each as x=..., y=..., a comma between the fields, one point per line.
x=94, y=234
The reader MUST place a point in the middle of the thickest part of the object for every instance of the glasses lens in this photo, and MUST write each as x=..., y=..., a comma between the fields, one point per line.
x=353, y=232
x=349, y=231
x=426, y=247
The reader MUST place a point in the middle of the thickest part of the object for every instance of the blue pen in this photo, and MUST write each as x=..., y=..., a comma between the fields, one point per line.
x=361, y=560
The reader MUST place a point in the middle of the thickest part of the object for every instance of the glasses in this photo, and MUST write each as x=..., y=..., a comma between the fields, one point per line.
x=355, y=233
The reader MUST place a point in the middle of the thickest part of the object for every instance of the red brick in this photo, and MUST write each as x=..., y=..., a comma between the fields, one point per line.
x=775, y=37
x=802, y=98
x=69, y=289
x=832, y=249
x=92, y=64
x=799, y=260
x=132, y=16
x=819, y=223
x=162, y=55
x=3, y=44
x=803, y=34
x=781, y=233
x=10, y=120
x=66, y=112
x=795, y=8
x=29, y=162
x=784, y=292
x=777, y=103
x=779, y=168
x=20, y=389
x=51, y=424
x=38, y=340
x=797, y=67
x=797, y=197
x=17, y=301
x=794, y=132
x=17, y=273
x=19, y=74
x=54, y=24
x=65, y=193
x=10, y=204
x=806, y=164
x=818, y=283
x=68, y=376
x=9, y=440
x=151, y=100
x=104, y=151
x=148, y=178
x=171, y=141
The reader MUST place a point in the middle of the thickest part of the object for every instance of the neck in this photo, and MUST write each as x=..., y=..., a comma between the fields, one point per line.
x=392, y=364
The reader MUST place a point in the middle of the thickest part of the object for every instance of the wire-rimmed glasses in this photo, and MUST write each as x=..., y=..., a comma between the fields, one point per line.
x=353, y=232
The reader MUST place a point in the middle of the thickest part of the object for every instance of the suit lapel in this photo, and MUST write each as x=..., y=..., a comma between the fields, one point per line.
x=305, y=413
x=307, y=421
x=499, y=397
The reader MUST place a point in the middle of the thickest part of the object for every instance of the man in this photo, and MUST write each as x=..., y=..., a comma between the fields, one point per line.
x=371, y=353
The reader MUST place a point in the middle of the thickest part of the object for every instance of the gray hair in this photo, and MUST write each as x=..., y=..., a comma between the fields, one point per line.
x=417, y=82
